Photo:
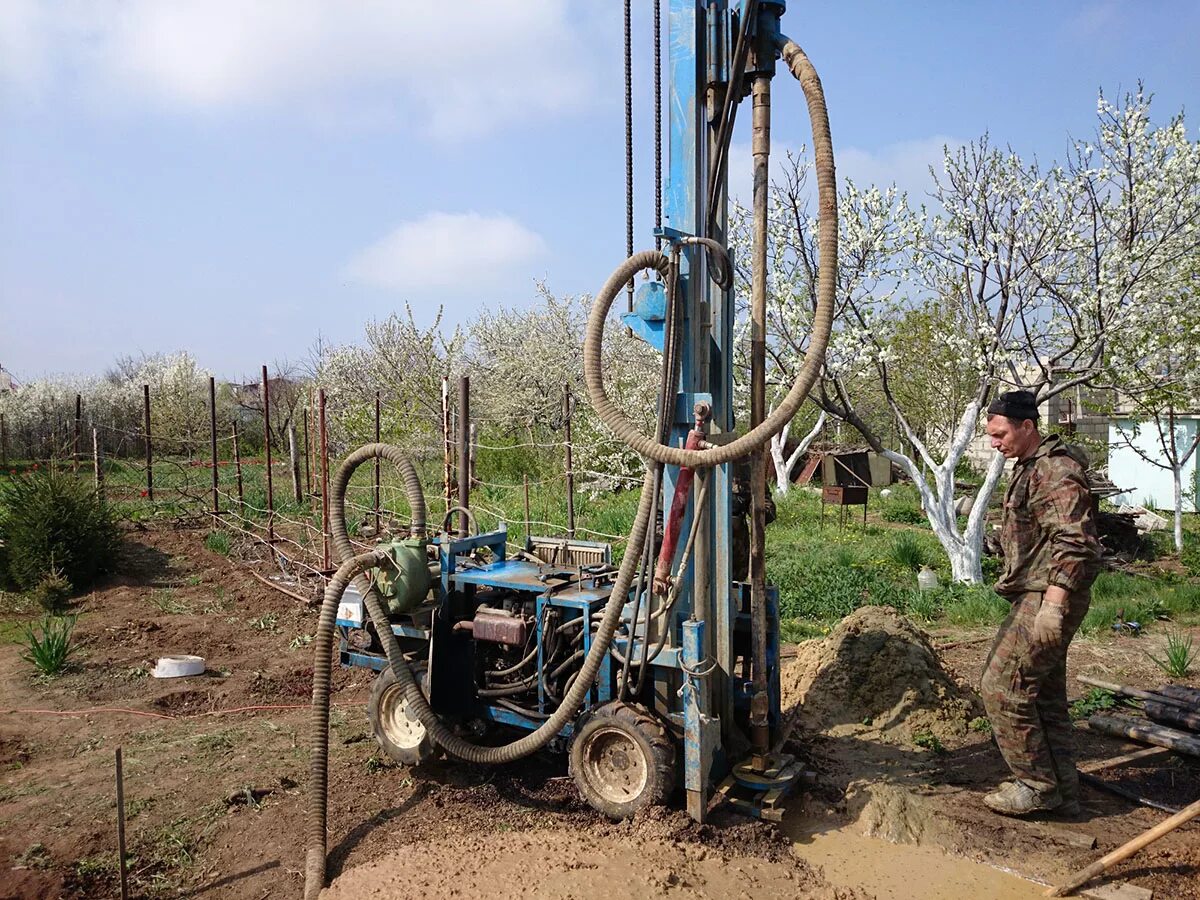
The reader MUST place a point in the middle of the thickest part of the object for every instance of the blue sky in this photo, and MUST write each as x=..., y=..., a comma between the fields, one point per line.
x=235, y=179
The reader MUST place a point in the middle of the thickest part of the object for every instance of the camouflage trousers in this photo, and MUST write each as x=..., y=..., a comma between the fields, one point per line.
x=1024, y=690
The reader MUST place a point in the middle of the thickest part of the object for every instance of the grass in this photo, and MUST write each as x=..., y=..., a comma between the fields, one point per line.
x=1118, y=597
x=219, y=542
x=49, y=651
x=1096, y=700
x=1177, y=662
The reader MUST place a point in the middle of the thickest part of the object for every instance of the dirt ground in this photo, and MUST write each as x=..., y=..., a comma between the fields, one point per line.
x=215, y=768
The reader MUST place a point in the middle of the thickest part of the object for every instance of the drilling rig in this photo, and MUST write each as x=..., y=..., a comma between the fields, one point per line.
x=661, y=672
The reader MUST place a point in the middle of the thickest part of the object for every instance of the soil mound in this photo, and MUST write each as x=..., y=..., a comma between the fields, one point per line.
x=876, y=671
x=555, y=864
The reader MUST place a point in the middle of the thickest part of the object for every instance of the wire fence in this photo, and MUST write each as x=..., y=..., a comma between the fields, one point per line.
x=272, y=502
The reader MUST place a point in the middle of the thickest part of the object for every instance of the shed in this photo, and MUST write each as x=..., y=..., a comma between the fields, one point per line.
x=1154, y=487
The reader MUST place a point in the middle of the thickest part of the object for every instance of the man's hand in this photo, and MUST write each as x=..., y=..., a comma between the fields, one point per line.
x=1047, y=625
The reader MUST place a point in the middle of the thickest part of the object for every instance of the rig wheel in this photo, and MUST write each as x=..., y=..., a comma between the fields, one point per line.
x=404, y=739
x=623, y=760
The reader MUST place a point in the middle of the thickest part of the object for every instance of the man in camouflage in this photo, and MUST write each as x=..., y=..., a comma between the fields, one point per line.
x=1051, y=554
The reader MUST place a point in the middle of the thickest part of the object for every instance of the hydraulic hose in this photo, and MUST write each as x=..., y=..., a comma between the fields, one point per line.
x=618, y=422
x=318, y=785
x=444, y=736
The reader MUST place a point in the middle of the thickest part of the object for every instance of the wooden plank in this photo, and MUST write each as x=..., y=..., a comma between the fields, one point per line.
x=1123, y=759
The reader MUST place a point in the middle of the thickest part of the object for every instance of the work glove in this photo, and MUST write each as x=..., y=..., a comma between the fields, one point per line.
x=1047, y=626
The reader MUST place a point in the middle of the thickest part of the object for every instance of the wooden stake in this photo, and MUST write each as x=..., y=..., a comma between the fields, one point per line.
x=97, y=468
x=294, y=456
x=78, y=425
x=266, y=403
x=149, y=445
x=121, y=827
x=1126, y=850
x=212, y=430
x=237, y=468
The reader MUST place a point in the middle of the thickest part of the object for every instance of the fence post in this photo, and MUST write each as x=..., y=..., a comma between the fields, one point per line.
x=266, y=401
x=464, y=451
x=237, y=467
x=377, y=440
x=97, y=467
x=3, y=441
x=446, y=441
x=324, y=438
x=525, y=478
x=568, y=409
x=212, y=423
x=294, y=453
x=78, y=424
x=308, y=485
x=149, y=445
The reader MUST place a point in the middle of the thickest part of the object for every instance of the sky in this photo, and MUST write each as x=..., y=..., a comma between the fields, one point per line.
x=240, y=179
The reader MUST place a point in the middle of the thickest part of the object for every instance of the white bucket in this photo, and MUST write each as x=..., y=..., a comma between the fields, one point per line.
x=178, y=666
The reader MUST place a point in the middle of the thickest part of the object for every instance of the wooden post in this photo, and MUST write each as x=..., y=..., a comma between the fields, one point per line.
x=324, y=438
x=3, y=441
x=447, y=465
x=149, y=445
x=78, y=425
x=237, y=468
x=212, y=430
x=121, y=828
x=294, y=455
x=377, y=440
x=568, y=409
x=266, y=404
x=97, y=468
x=464, y=452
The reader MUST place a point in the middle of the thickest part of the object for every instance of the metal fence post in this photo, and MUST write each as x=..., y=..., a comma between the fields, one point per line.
x=97, y=467
x=212, y=423
x=237, y=468
x=149, y=445
x=447, y=465
x=294, y=458
x=308, y=485
x=377, y=440
x=266, y=404
x=568, y=409
x=324, y=438
x=3, y=441
x=78, y=425
x=464, y=452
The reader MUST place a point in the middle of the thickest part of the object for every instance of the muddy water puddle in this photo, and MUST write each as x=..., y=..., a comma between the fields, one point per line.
x=899, y=871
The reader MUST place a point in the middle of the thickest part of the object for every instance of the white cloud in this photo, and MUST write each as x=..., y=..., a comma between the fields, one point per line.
x=450, y=251
x=451, y=70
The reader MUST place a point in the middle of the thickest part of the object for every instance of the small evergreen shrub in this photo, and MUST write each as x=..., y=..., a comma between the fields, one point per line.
x=53, y=524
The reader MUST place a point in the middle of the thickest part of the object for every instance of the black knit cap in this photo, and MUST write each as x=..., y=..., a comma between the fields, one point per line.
x=1015, y=405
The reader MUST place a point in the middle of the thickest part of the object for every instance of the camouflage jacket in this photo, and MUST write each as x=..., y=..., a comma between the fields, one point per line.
x=1049, y=531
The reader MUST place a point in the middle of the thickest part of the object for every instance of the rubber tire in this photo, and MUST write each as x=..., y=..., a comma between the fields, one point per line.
x=643, y=731
x=404, y=754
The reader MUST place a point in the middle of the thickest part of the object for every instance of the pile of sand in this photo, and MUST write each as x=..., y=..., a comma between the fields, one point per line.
x=878, y=672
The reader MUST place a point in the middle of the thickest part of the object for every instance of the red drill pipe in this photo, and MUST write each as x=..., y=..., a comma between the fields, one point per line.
x=679, y=502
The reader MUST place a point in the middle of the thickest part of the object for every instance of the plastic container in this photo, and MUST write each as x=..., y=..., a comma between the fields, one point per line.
x=179, y=666
x=927, y=579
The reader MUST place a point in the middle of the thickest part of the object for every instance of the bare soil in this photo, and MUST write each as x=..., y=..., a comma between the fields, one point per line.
x=215, y=768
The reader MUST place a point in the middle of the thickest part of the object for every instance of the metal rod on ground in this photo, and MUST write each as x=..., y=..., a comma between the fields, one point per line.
x=568, y=409
x=447, y=459
x=149, y=445
x=212, y=423
x=760, y=145
x=1126, y=850
x=323, y=437
x=464, y=452
x=78, y=425
x=1127, y=794
x=237, y=468
x=526, y=480
x=377, y=459
x=294, y=458
x=266, y=405
x=1147, y=733
x=121, y=828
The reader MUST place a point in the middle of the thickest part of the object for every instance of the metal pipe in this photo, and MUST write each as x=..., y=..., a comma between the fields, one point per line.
x=377, y=432
x=464, y=450
x=266, y=404
x=761, y=150
x=149, y=445
x=567, y=406
x=326, y=526
x=212, y=430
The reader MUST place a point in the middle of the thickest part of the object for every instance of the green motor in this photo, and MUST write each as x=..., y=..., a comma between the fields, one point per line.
x=405, y=584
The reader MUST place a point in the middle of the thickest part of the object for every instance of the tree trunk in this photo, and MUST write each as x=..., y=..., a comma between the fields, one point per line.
x=1177, y=482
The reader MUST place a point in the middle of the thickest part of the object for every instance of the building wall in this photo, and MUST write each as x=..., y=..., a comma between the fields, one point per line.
x=1149, y=485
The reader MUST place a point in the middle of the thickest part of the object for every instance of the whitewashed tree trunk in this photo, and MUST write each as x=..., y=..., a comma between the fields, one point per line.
x=785, y=465
x=1177, y=481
